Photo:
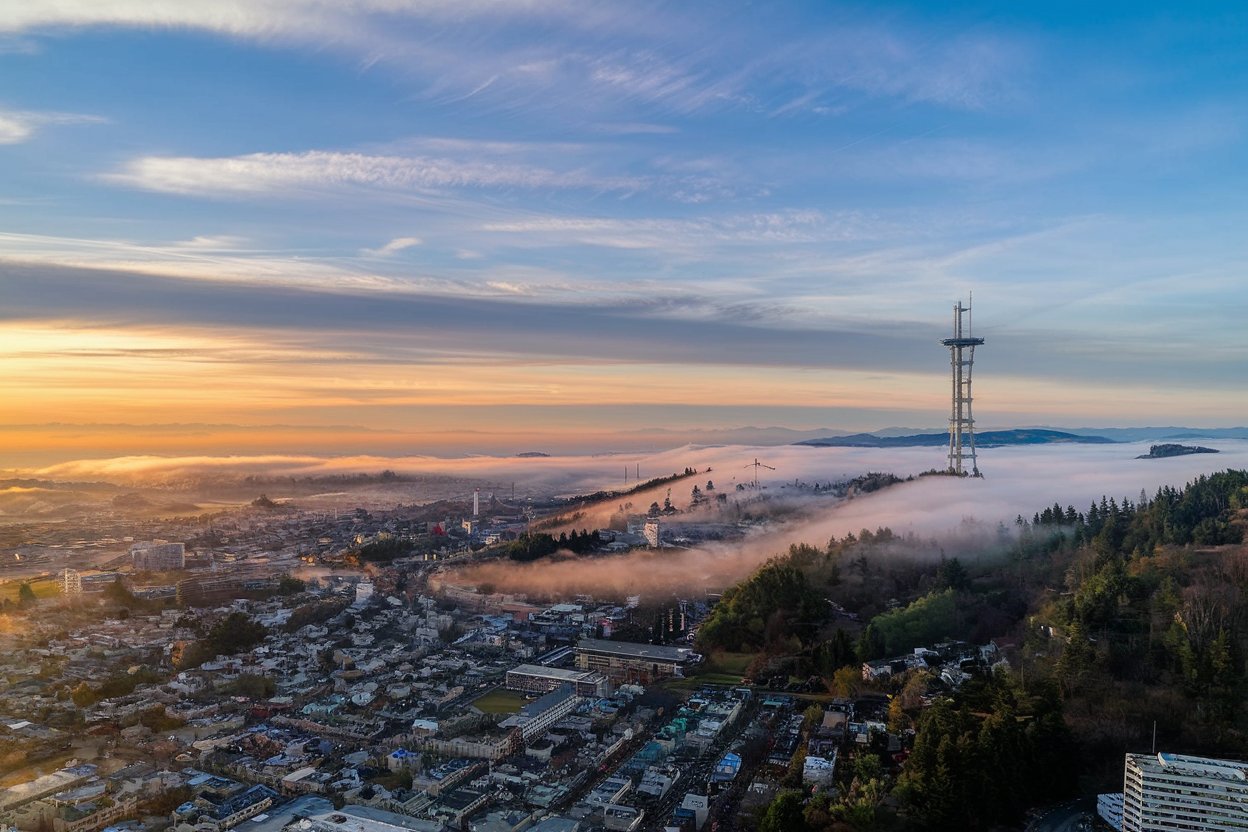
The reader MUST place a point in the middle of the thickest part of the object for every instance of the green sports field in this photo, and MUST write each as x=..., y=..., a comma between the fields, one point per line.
x=500, y=701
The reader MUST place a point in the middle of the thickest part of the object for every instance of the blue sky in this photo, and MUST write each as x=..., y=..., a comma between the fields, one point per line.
x=438, y=215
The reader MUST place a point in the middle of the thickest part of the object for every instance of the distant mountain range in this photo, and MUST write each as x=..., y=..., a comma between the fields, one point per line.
x=1162, y=433
x=773, y=435
x=985, y=439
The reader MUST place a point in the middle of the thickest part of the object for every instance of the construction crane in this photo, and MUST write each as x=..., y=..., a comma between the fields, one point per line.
x=756, y=465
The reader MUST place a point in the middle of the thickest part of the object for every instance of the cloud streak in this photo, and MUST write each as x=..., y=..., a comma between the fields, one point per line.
x=18, y=126
x=255, y=18
x=285, y=173
x=393, y=247
x=780, y=227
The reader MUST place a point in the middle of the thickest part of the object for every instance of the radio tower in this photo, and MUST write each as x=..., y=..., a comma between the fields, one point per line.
x=961, y=423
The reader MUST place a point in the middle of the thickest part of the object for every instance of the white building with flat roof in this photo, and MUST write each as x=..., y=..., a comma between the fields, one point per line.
x=1177, y=793
x=536, y=718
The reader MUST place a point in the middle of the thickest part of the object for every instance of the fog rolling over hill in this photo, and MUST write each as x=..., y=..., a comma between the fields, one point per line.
x=963, y=515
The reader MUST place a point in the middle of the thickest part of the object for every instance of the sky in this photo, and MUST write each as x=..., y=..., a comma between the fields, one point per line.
x=440, y=226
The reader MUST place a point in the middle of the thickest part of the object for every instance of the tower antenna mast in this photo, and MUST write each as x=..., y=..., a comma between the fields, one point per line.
x=961, y=422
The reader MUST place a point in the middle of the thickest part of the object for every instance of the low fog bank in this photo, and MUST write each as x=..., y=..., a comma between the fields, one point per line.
x=963, y=517
x=731, y=464
x=1017, y=479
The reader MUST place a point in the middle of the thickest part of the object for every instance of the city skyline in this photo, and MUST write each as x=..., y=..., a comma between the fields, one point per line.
x=567, y=221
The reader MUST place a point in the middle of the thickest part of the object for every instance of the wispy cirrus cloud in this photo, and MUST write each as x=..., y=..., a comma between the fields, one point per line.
x=611, y=59
x=965, y=70
x=17, y=126
x=393, y=247
x=257, y=18
x=319, y=170
x=792, y=226
x=212, y=242
x=634, y=128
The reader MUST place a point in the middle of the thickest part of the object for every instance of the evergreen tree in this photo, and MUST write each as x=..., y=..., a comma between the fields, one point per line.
x=785, y=814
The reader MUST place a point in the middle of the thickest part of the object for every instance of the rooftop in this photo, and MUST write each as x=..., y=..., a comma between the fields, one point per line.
x=553, y=672
x=1195, y=766
x=633, y=650
x=367, y=819
x=548, y=701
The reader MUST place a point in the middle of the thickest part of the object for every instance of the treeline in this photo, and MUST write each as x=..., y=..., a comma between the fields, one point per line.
x=384, y=548
x=383, y=476
x=1198, y=514
x=530, y=547
x=643, y=486
x=867, y=483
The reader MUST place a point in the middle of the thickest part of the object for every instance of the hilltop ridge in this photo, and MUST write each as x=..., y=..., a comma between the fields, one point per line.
x=987, y=439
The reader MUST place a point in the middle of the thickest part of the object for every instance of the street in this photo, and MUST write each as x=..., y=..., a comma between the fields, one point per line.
x=1066, y=817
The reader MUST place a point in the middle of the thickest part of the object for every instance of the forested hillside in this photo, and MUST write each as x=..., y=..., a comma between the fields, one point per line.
x=1126, y=613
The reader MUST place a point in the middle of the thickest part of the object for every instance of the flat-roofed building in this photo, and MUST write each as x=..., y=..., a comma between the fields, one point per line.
x=1177, y=793
x=49, y=784
x=622, y=818
x=625, y=662
x=366, y=819
x=536, y=718
x=610, y=791
x=158, y=556
x=534, y=678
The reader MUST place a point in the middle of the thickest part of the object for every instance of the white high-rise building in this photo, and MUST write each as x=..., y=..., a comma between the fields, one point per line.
x=653, y=533
x=71, y=582
x=1176, y=793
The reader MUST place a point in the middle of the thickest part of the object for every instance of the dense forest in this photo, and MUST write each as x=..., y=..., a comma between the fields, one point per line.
x=385, y=547
x=530, y=547
x=1123, y=615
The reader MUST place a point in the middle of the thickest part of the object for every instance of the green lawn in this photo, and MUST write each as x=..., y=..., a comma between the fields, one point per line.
x=692, y=683
x=500, y=701
x=720, y=668
x=723, y=662
x=43, y=587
